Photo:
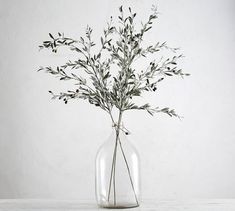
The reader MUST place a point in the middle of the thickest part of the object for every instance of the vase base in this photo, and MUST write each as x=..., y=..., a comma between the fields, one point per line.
x=119, y=206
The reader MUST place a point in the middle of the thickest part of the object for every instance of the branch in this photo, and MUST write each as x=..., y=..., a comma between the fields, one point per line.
x=156, y=48
x=147, y=107
x=59, y=72
x=56, y=42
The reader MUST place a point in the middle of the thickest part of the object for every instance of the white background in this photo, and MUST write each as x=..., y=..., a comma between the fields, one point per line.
x=47, y=148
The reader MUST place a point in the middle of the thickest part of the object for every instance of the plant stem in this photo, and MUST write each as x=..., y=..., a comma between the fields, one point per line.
x=128, y=169
x=112, y=176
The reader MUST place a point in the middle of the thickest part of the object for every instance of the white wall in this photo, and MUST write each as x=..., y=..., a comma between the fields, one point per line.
x=47, y=149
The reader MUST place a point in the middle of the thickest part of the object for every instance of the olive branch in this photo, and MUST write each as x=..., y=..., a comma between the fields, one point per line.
x=123, y=45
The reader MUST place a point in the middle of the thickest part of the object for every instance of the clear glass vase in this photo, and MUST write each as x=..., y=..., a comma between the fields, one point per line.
x=117, y=173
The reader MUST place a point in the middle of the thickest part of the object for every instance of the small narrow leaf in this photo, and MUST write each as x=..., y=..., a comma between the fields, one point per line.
x=51, y=36
x=148, y=28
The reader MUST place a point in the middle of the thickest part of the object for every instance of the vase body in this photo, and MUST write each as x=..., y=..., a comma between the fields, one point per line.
x=117, y=173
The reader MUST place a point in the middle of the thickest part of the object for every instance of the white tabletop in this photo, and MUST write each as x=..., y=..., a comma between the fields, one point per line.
x=147, y=205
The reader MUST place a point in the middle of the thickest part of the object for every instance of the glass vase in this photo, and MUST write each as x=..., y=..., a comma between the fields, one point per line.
x=117, y=173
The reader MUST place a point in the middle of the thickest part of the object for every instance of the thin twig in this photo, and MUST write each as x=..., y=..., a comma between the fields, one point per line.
x=128, y=169
x=112, y=176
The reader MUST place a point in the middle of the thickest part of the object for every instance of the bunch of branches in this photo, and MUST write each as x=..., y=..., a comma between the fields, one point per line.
x=120, y=45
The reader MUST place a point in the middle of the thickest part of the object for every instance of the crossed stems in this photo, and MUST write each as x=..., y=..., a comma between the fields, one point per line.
x=113, y=169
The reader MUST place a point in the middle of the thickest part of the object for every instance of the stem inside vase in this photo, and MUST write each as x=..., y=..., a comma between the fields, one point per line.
x=112, y=179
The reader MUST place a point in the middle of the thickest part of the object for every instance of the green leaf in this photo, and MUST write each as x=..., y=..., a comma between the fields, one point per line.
x=148, y=28
x=168, y=74
x=106, y=76
x=51, y=36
